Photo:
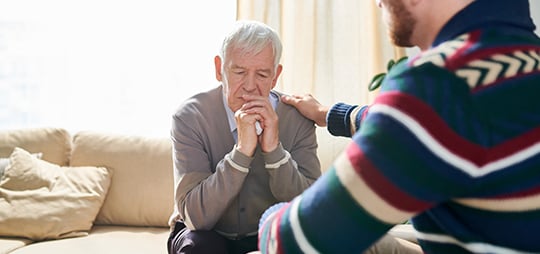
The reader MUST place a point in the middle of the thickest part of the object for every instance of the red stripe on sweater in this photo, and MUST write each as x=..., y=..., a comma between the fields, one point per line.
x=380, y=184
x=442, y=133
x=454, y=62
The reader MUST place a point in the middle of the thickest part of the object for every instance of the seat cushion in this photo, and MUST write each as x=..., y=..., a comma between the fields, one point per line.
x=105, y=240
x=7, y=245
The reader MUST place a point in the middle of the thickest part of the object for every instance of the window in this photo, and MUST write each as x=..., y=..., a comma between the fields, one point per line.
x=107, y=65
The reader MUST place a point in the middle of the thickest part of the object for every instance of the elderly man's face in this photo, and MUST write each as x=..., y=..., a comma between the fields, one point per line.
x=248, y=73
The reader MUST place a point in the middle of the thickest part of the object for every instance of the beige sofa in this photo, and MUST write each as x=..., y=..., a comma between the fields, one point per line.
x=127, y=191
x=116, y=192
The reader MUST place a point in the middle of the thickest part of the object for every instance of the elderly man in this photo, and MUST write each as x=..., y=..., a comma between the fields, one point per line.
x=238, y=149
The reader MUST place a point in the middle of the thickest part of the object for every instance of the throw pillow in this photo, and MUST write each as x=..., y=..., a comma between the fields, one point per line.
x=40, y=200
x=4, y=162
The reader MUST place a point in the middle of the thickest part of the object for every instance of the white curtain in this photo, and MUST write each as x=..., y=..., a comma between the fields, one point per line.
x=332, y=49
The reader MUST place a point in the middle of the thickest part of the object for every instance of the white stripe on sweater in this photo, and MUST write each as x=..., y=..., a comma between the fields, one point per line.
x=278, y=164
x=513, y=204
x=365, y=196
x=235, y=165
x=453, y=159
x=298, y=233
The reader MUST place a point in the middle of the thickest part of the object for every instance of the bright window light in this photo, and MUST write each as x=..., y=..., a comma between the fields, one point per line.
x=106, y=65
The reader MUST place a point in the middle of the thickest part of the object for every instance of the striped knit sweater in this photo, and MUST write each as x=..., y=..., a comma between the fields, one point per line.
x=452, y=141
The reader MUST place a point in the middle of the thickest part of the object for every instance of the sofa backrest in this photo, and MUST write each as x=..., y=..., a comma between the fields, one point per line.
x=53, y=143
x=141, y=193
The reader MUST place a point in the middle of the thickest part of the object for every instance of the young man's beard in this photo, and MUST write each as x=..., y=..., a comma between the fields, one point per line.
x=402, y=24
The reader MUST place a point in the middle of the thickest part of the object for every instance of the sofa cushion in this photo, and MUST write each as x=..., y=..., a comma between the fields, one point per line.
x=54, y=143
x=40, y=200
x=106, y=239
x=141, y=192
x=7, y=245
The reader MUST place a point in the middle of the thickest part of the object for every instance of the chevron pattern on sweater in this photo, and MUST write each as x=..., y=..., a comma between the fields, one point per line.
x=484, y=72
x=440, y=54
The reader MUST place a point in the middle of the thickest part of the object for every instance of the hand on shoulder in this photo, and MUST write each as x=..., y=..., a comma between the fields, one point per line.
x=308, y=106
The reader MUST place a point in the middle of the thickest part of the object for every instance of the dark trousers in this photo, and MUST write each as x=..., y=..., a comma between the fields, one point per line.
x=184, y=241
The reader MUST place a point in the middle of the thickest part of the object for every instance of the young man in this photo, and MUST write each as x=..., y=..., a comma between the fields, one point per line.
x=238, y=149
x=451, y=141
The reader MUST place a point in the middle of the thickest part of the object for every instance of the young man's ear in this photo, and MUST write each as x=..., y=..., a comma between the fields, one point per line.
x=217, y=65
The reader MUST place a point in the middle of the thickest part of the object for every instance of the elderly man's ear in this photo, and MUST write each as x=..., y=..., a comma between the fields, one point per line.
x=217, y=65
x=278, y=72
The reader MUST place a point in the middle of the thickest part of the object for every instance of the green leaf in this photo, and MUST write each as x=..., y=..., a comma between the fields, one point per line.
x=401, y=59
x=390, y=64
x=377, y=80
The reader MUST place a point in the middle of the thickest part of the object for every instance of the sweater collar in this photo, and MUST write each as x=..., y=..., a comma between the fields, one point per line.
x=504, y=14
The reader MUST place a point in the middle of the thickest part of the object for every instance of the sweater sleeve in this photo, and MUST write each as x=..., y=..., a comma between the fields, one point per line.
x=344, y=119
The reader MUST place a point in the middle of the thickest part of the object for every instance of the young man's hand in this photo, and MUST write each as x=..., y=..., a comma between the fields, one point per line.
x=308, y=106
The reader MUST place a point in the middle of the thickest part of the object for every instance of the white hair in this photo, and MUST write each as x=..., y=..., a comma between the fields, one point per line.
x=251, y=37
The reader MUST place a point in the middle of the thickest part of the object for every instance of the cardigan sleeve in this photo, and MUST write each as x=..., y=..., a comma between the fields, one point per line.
x=207, y=191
